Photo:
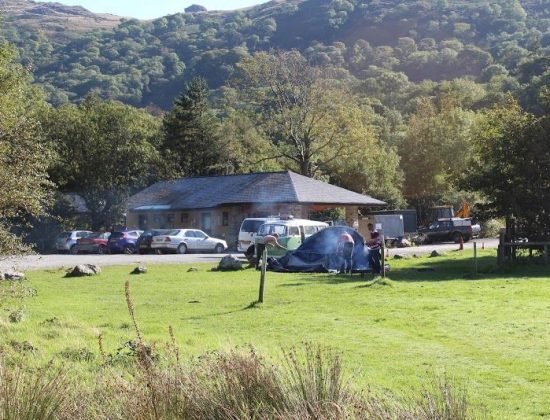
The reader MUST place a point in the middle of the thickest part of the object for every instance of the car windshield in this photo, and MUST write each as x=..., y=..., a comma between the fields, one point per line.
x=95, y=235
x=116, y=235
x=251, y=225
x=174, y=232
x=64, y=235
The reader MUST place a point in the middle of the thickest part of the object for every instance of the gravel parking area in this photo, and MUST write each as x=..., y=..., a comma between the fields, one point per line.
x=55, y=261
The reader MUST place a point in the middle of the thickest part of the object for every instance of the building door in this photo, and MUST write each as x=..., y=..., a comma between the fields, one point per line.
x=206, y=222
x=143, y=222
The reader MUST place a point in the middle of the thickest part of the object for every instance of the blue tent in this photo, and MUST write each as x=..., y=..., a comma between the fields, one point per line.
x=318, y=253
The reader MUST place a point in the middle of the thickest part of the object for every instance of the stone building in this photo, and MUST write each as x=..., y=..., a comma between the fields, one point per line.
x=218, y=204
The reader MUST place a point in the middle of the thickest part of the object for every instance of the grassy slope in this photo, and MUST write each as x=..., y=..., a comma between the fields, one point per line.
x=493, y=332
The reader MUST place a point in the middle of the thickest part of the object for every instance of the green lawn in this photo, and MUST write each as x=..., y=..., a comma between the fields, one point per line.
x=491, y=332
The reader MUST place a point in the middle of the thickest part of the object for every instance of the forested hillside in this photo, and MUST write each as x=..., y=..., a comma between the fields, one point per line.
x=378, y=43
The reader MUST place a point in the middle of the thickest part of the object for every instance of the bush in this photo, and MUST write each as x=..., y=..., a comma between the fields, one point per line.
x=491, y=228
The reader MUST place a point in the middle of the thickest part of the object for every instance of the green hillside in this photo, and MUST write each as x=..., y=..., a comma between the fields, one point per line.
x=147, y=62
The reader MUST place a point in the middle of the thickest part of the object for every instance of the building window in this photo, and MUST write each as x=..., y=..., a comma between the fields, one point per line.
x=184, y=219
x=225, y=218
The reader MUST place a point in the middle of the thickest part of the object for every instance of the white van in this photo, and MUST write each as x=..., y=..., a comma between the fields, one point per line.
x=249, y=228
x=291, y=232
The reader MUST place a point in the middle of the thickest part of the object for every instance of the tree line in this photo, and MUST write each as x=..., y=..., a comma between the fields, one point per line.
x=281, y=111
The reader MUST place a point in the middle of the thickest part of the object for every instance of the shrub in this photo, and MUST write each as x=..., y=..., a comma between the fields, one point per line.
x=491, y=228
x=444, y=399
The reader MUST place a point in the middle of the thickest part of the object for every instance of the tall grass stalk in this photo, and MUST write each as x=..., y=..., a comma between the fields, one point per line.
x=32, y=395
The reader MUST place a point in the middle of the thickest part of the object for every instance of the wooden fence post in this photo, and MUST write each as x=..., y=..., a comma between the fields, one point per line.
x=475, y=258
x=262, y=276
x=500, y=250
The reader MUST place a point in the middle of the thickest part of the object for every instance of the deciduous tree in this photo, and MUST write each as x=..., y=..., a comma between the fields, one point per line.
x=24, y=157
x=512, y=167
x=436, y=148
x=106, y=151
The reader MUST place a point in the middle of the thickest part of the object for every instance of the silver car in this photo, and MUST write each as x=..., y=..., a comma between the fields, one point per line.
x=184, y=240
x=66, y=241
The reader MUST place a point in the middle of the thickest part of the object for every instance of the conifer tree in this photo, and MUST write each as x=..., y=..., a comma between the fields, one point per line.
x=190, y=133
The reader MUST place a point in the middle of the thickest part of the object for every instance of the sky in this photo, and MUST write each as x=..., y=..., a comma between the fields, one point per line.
x=149, y=9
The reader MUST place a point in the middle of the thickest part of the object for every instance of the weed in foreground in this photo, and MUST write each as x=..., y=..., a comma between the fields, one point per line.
x=32, y=395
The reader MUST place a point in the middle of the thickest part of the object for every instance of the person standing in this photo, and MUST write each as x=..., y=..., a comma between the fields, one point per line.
x=370, y=231
x=267, y=240
x=345, y=249
x=375, y=246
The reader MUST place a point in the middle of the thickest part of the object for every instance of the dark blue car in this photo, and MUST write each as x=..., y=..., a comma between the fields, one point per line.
x=124, y=241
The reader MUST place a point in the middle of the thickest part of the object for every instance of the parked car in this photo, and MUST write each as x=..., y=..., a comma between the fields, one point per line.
x=123, y=241
x=143, y=244
x=446, y=230
x=184, y=240
x=93, y=243
x=66, y=241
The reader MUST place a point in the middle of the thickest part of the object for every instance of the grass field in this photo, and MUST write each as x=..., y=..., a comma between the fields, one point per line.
x=491, y=332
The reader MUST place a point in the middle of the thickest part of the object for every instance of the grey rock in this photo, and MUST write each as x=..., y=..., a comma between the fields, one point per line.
x=436, y=254
x=192, y=270
x=139, y=270
x=229, y=263
x=399, y=257
x=83, y=270
x=12, y=276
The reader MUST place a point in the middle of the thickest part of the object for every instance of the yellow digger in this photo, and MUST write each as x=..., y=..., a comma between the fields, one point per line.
x=465, y=212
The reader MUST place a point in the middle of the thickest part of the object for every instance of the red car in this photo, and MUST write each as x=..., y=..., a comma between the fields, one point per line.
x=94, y=243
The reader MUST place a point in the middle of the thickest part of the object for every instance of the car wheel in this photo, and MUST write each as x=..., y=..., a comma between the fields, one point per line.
x=182, y=249
x=421, y=239
x=219, y=249
x=102, y=249
x=129, y=249
x=142, y=252
x=456, y=237
x=158, y=251
x=73, y=250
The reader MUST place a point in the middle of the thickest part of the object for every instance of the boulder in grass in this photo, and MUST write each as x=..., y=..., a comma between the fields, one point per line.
x=436, y=254
x=84, y=270
x=12, y=276
x=229, y=263
x=139, y=270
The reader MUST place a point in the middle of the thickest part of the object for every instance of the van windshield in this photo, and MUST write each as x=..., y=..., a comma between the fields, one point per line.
x=251, y=225
x=270, y=229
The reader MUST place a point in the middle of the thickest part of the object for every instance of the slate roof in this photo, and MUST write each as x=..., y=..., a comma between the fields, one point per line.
x=266, y=187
